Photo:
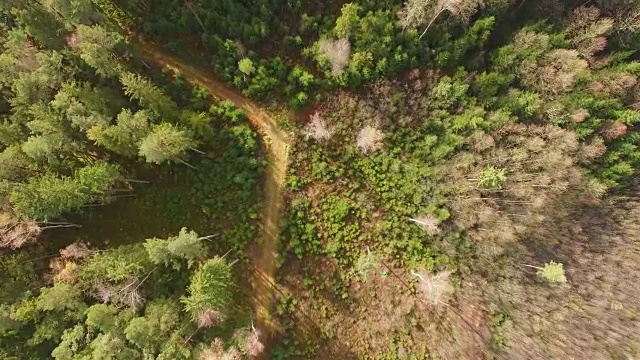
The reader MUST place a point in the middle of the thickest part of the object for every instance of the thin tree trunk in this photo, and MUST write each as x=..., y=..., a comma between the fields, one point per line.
x=60, y=226
x=396, y=275
x=123, y=195
x=137, y=181
x=10, y=228
x=138, y=283
x=417, y=221
x=185, y=163
x=453, y=309
x=56, y=10
x=55, y=223
x=417, y=275
x=431, y=22
x=511, y=214
x=42, y=257
x=209, y=237
x=531, y=266
x=190, y=336
x=499, y=200
x=145, y=278
x=204, y=29
x=198, y=151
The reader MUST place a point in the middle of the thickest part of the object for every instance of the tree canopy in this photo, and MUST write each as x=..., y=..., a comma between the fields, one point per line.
x=437, y=179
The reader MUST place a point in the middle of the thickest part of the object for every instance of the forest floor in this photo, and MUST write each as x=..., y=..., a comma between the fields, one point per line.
x=277, y=145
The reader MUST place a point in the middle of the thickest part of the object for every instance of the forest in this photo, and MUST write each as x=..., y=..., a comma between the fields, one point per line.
x=296, y=179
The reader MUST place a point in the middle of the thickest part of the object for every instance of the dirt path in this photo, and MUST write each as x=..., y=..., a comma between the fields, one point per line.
x=277, y=143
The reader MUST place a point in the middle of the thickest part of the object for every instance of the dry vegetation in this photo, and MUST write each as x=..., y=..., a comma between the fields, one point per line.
x=518, y=191
x=591, y=317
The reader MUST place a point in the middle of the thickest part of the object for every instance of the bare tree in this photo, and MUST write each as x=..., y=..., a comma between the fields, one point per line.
x=126, y=294
x=216, y=351
x=599, y=246
x=556, y=73
x=207, y=318
x=16, y=234
x=104, y=292
x=614, y=130
x=436, y=288
x=337, y=52
x=616, y=84
x=317, y=129
x=130, y=295
x=580, y=115
x=463, y=9
x=413, y=13
x=28, y=58
x=587, y=31
x=73, y=41
x=541, y=165
x=76, y=250
x=626, y=14
x=254, y=347
x=429, y=223
x=592, y=150
x=585, y=23
x=370, y=139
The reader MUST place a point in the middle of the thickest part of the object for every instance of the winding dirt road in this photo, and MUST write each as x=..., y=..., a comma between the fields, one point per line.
x=277, y=144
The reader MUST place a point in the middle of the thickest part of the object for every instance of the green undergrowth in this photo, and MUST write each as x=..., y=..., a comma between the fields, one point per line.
x=220, y=195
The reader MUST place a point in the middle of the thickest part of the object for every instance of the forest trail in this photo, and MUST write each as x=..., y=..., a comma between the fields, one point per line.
x=277, y=144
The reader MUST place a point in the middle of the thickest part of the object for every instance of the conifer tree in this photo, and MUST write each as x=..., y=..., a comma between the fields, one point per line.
x=149, y=96
x=209, y=288
x=44, y=198
x=348, y=20
x=97, y=47
x=165, y=143
x=123, y=137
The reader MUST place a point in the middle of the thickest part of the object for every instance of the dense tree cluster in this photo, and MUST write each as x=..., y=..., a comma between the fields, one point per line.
x=121, y=303
x=80, y=116
x=65, y=120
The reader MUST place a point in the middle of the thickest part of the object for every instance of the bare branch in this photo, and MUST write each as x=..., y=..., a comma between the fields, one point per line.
x=370, y=139
x=429, y=223
x=317, y=129
x=77, y=250
x=337, y=52
x=436, y=288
